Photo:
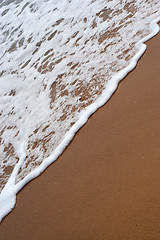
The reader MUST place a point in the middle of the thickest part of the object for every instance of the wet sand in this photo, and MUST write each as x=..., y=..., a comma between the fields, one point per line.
x=106, y=185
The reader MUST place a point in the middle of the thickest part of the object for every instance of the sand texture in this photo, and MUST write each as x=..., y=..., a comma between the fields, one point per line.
x=106, y=185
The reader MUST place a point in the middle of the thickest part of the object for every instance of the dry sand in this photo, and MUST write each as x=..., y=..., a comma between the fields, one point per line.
x=106, y=185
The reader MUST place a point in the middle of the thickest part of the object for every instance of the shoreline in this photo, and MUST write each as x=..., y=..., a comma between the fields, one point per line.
x=102, y=177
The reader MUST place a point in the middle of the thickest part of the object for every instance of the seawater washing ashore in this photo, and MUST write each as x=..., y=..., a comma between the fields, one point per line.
x=58, y=66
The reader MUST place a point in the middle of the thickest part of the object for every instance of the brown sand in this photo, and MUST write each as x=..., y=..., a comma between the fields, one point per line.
x=106, y=185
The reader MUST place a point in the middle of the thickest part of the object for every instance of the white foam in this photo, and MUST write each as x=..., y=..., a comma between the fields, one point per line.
x=29, y=120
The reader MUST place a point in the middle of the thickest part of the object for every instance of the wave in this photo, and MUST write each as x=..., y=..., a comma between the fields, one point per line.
x=60, y=62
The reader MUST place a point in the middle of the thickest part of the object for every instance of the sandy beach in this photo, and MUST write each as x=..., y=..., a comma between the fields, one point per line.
x=106, y=185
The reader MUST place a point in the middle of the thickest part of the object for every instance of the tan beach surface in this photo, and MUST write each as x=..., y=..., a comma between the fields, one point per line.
x=106, y=185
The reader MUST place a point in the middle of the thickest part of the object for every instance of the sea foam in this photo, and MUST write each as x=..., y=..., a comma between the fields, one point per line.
x=59, y=62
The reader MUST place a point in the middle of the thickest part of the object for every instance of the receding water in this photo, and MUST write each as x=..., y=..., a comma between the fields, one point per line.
x=56, y=59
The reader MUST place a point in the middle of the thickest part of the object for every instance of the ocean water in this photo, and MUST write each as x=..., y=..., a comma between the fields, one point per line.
x=59, y=62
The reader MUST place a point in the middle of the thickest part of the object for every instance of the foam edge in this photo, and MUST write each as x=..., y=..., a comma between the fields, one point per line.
x=8, y=194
